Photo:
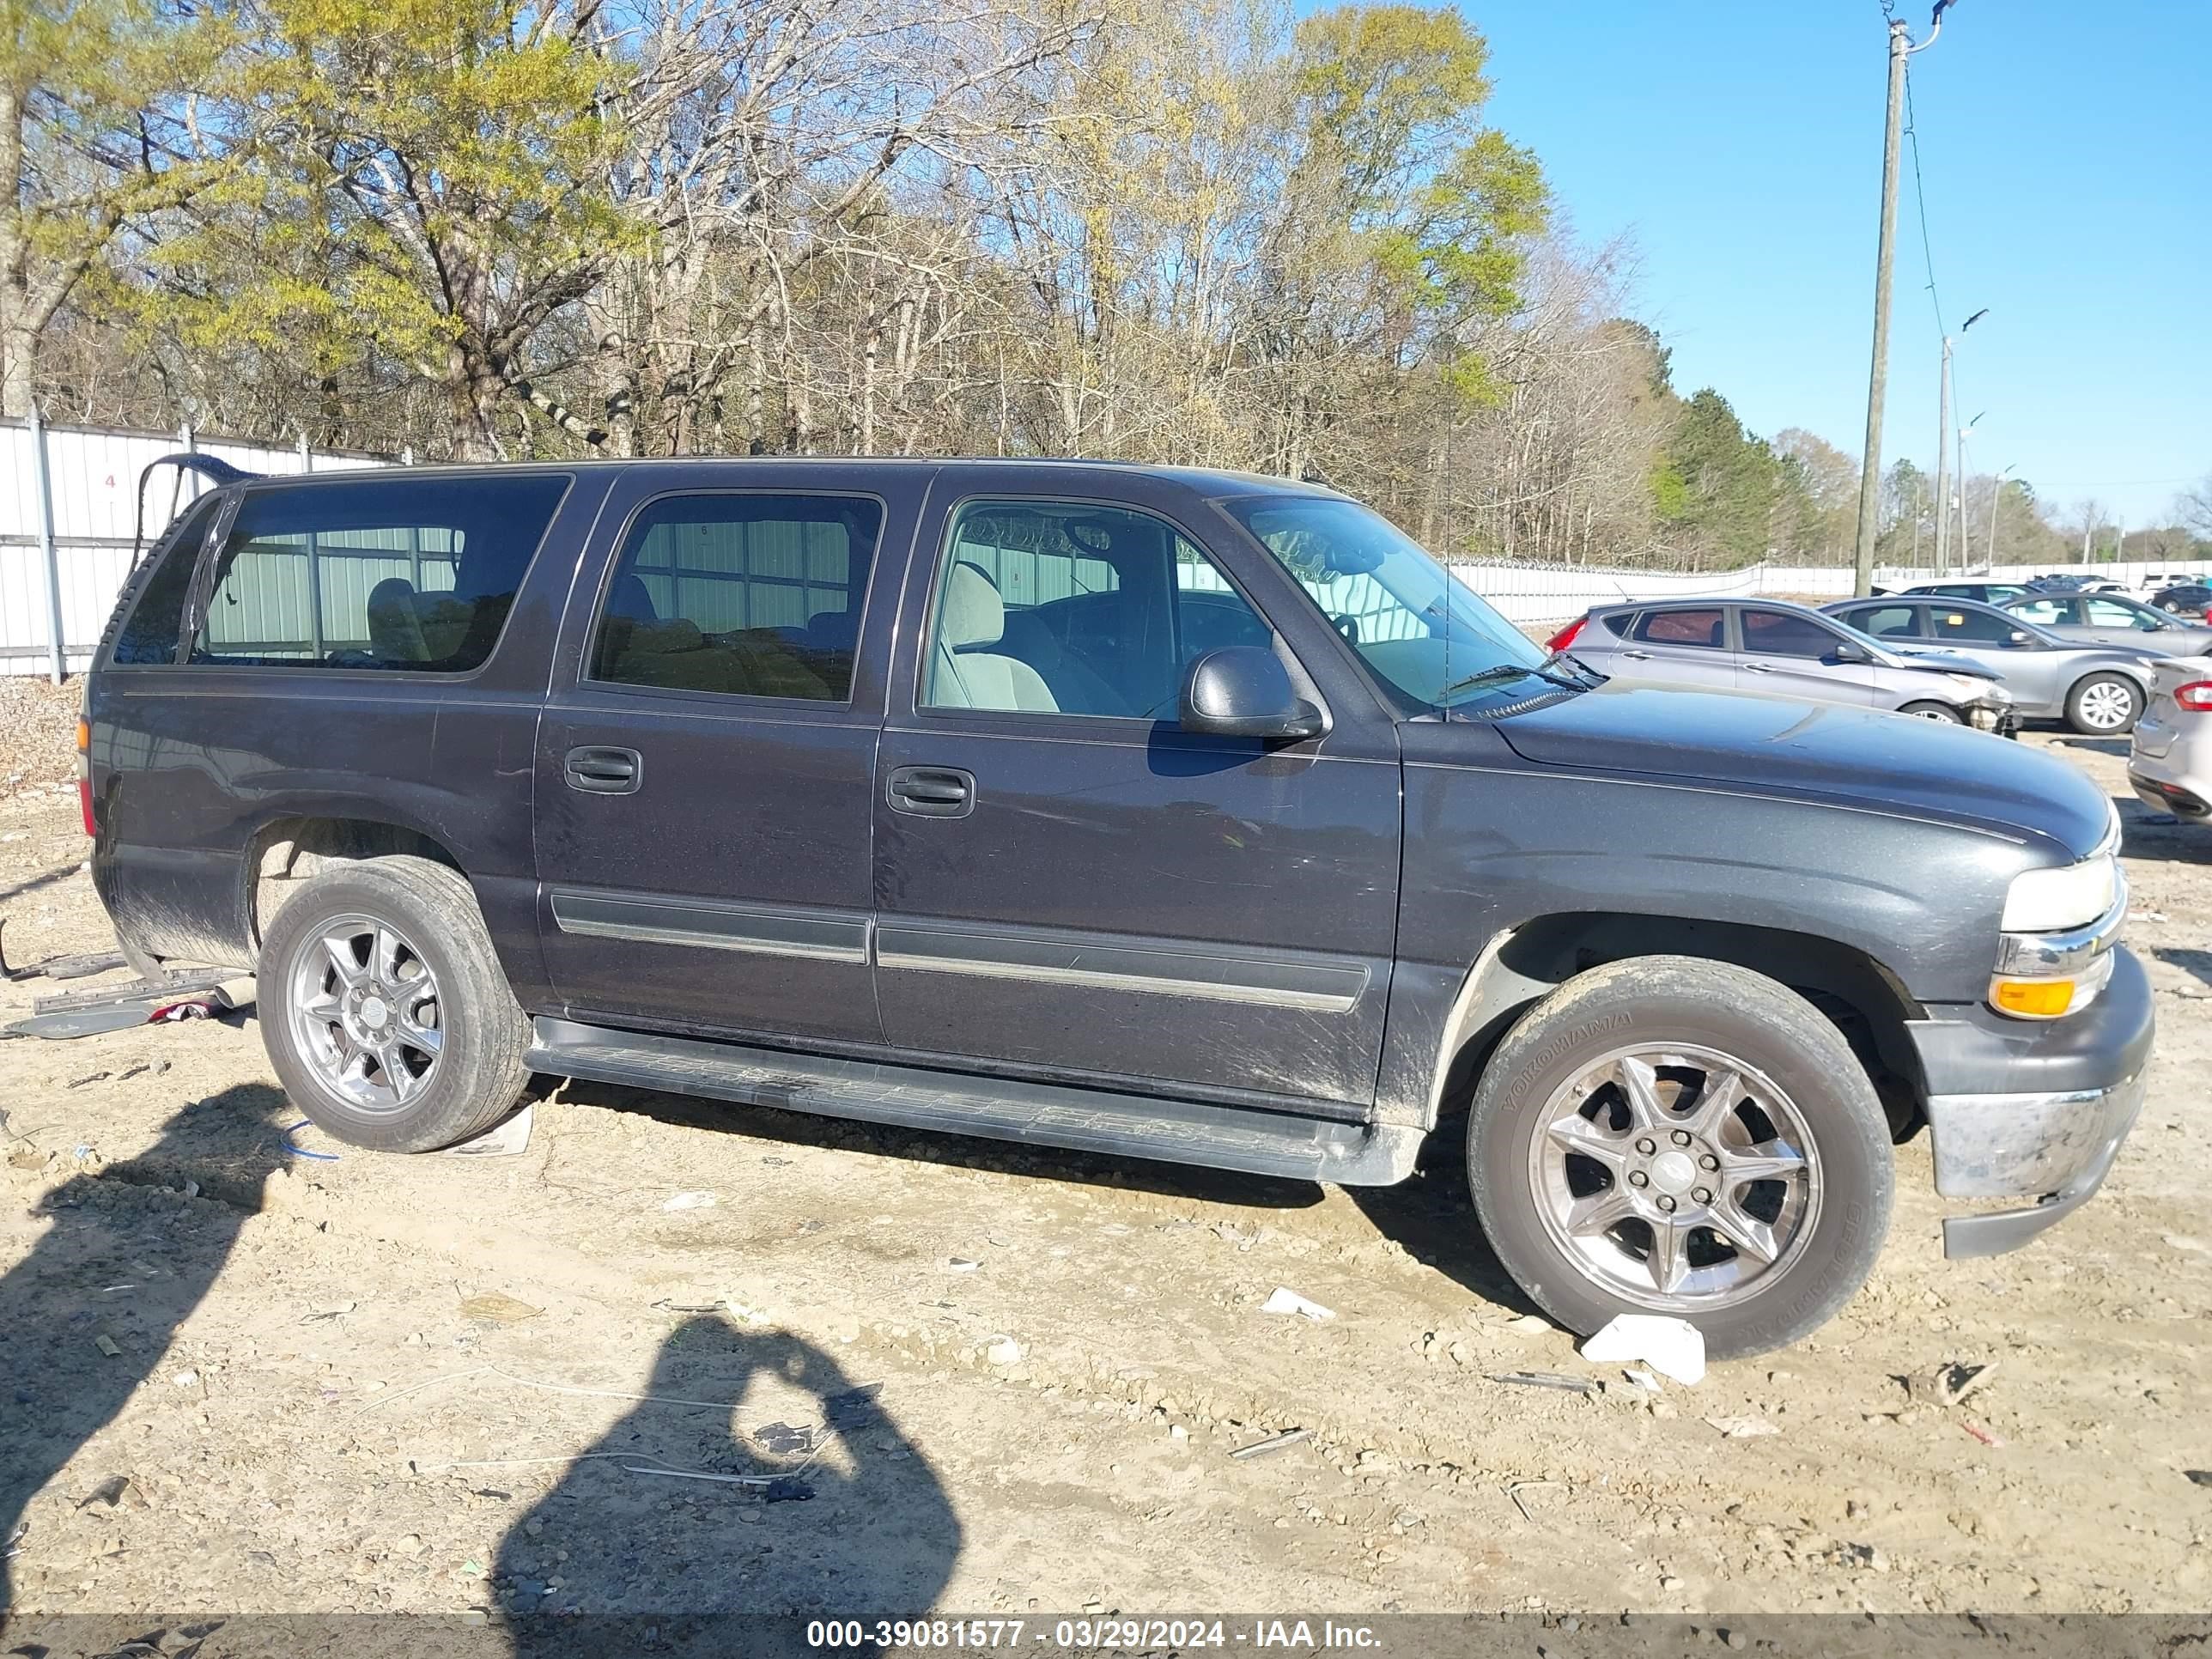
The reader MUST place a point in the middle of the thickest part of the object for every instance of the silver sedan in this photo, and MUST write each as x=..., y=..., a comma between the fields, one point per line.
x=2098, y=689
x=2170, y=765
x=2113, y=619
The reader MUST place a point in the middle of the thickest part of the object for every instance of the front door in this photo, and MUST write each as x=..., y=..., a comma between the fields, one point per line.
x=707, y=760
x=1068, y=885
x=1788, y=654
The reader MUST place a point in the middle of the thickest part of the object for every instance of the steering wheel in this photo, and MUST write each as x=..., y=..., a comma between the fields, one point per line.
x=1348, y=626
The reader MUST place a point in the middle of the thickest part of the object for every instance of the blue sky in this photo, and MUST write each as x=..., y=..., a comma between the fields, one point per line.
x=2068, y=158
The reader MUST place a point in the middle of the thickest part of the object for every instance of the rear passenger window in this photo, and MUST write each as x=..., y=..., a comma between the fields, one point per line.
x=756, y=596
x=1705, y=628
x=157, y=621
x=395, y=571
x=2046, y=611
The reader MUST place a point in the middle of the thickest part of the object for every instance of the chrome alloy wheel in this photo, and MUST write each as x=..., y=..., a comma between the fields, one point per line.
x=1678, y=1178
x=365, y=1012
x=2107, y=706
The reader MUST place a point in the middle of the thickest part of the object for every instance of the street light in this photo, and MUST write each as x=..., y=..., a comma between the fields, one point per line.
x=1965, y=548
x=1943, y=460
x=1996, y=495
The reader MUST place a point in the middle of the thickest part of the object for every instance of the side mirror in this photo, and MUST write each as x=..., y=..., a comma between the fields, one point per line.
x=1849, y=651
x=1242, y=691
x=2019, y=638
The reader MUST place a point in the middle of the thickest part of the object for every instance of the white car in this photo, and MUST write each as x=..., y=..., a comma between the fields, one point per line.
x=2170, y=765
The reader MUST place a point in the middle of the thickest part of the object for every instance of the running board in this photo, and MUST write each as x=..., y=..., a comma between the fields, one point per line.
x=1036, y=1114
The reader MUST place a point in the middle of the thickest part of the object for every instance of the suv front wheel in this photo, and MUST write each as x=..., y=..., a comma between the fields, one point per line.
x=1675, y=1136
x=385, y=1010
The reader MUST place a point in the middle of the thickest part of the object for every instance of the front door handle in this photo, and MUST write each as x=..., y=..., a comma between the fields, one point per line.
x=598, y=771
x=1638, y=656
x=1759, y=668
x=932, y=792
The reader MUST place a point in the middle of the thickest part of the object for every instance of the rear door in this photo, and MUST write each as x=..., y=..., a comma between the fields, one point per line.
x=1681, y=646
x=707, y=764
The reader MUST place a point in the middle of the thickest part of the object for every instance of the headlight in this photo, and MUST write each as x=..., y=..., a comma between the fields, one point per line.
x=2052, y=901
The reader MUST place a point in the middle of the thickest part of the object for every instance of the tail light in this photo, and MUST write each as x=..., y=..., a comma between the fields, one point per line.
x=84, y=775
x=2196, y=696
x=1566, y=636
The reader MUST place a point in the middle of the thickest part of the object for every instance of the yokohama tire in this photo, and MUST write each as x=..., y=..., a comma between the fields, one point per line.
x=339, y=1021
x=1795, y=1073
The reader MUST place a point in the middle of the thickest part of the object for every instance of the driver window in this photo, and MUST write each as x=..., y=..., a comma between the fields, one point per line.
x=1050, y=607
x=1781, y=633
x=2107, y=613
x=1970, y=627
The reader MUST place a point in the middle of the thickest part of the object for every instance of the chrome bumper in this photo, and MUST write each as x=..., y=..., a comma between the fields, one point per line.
x=2056, y=1148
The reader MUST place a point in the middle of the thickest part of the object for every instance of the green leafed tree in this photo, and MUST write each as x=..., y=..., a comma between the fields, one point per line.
x=428, y=186
x=98, y=129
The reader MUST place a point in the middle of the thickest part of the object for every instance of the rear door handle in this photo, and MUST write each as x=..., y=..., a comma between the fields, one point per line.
x=932, y=792
x=1759, y=668
x=1638, y=656
x=604, y=771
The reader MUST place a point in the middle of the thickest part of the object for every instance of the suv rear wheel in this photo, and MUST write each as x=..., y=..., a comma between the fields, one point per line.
x=1675, y=1136
x=385, y=1010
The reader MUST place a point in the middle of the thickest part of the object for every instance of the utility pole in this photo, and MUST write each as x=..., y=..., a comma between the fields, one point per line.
x=1900, y=49
x=1943, y=471
x=1996, y=495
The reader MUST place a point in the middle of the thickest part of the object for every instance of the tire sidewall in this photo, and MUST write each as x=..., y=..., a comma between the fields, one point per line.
x=1851, y=1143
x=450, y=1109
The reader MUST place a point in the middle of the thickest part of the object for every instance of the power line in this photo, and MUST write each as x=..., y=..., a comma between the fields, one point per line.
x=1920, y=198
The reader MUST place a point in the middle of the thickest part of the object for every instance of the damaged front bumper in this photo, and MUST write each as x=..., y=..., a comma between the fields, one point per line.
x=2078, y=1083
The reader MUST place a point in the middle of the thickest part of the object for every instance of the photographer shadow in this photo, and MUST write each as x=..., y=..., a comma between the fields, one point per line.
x=857, y=1527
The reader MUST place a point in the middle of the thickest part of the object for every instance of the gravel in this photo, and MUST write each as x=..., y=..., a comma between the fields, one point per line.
x=38, y=733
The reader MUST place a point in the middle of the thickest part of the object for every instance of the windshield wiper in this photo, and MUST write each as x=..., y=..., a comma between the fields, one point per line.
x=1506, y=671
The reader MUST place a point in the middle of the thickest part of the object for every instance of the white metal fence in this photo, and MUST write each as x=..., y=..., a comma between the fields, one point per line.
x=70, y=541
x=66, y=527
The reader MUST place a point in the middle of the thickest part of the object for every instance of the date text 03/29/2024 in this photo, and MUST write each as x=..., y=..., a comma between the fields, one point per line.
x=1087, y=1635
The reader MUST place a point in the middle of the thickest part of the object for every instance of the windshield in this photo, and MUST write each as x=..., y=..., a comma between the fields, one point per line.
x=1420, y=629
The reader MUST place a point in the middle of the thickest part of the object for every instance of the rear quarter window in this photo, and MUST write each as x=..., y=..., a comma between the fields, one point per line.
x=393, y=571
x=151, y=631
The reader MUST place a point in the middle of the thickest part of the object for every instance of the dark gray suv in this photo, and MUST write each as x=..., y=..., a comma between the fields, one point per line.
x=1176, y=815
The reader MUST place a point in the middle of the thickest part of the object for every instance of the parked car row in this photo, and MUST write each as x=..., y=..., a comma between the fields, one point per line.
x=1940, y=659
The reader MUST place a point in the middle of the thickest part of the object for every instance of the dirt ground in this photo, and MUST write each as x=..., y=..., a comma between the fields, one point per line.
x=240, y=1379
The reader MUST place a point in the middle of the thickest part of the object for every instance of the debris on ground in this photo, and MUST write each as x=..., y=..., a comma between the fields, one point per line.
x=509, y=1137
x=1673, y=1347
x=81, y=966
x=105, y=1344
x=1742, y=1428
x=1955, y=1382
x=1641, y=1379
x=1004, y=1351
x=2198, y=1477
x=690, y=1201
x=789, y=1489
x=1547, y=1380
x=499, y=1309
x=1272, y=1444
x=1981, y=1434
x=1288, y=1301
